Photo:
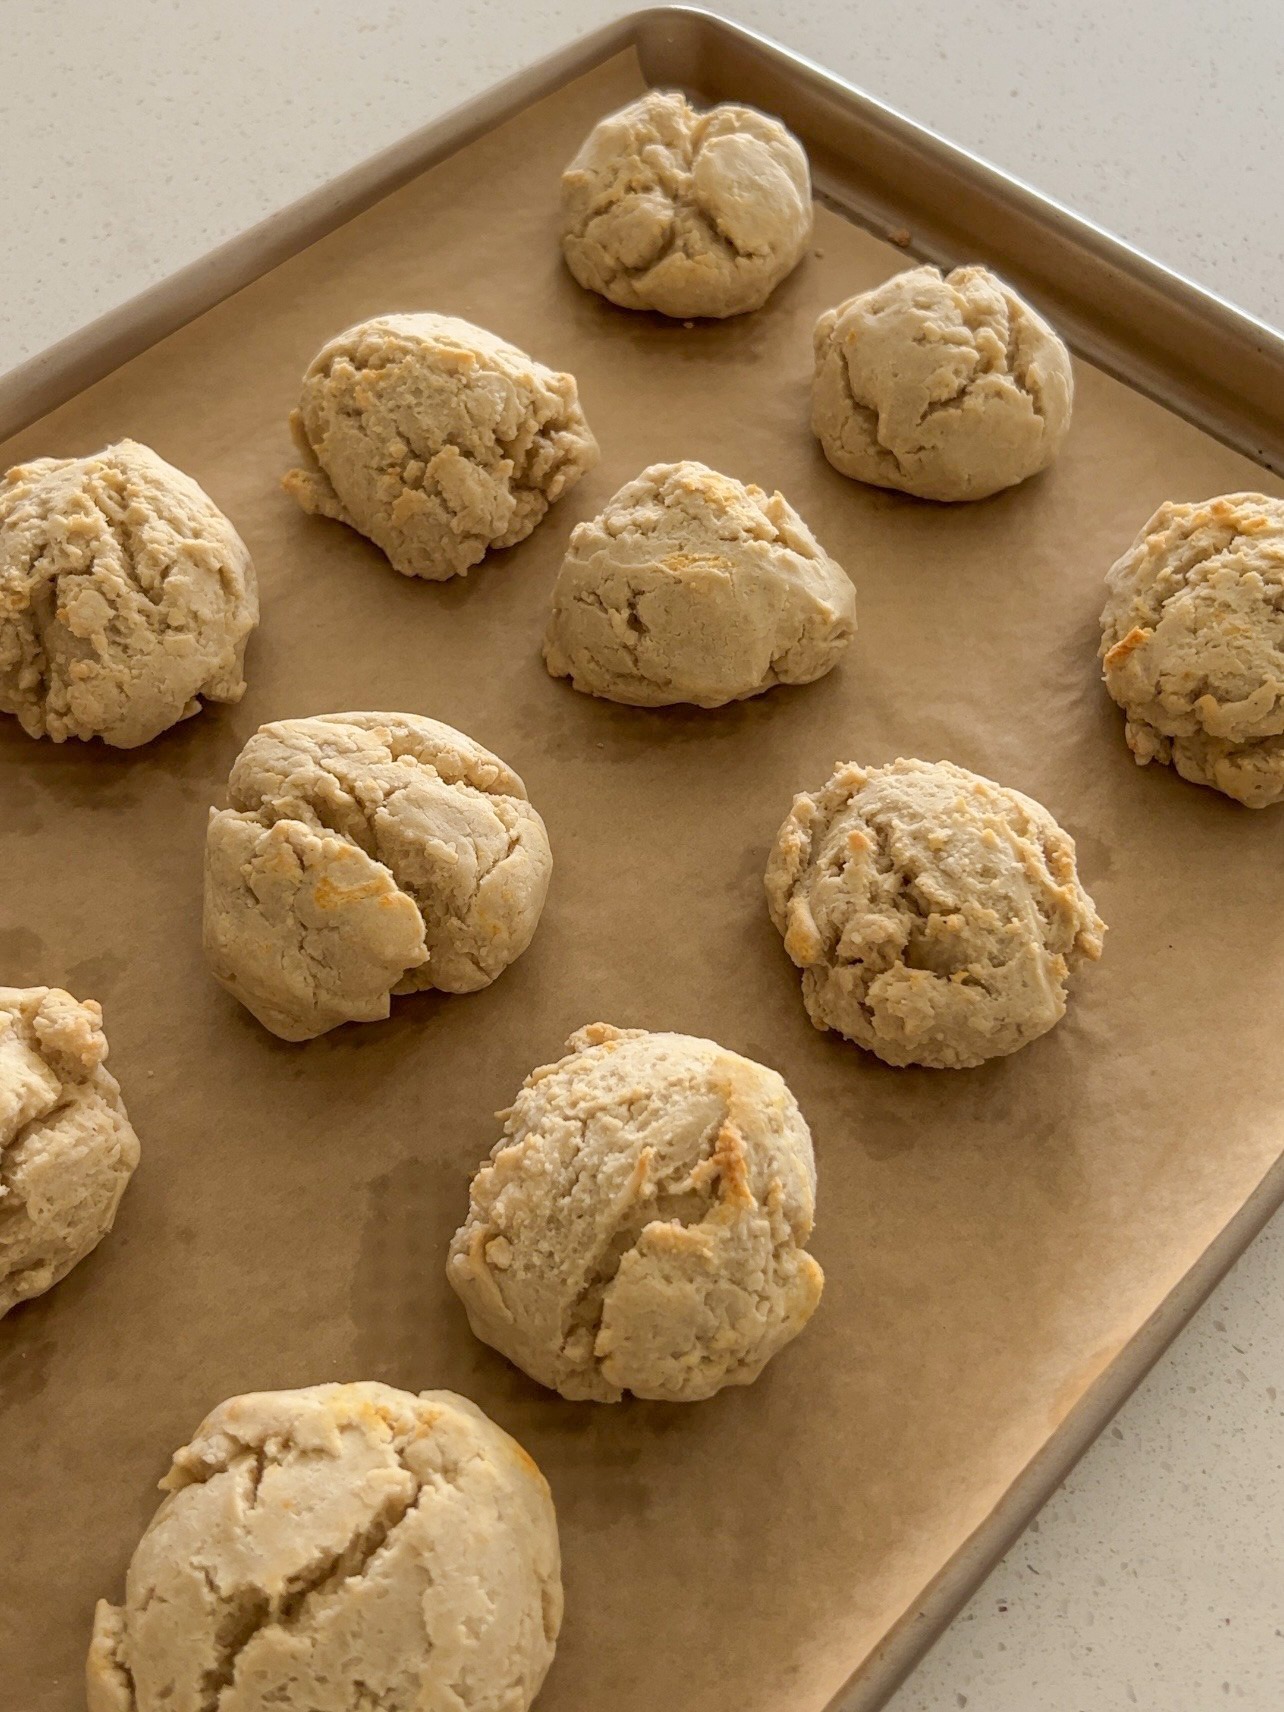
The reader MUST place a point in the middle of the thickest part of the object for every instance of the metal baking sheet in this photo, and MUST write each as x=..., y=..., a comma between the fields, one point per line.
x=1007, y=1250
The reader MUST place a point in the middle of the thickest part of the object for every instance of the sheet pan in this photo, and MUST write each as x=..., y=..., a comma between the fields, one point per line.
x=1006, y=1249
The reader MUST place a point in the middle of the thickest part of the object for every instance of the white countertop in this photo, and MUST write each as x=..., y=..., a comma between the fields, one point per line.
x=152, y=130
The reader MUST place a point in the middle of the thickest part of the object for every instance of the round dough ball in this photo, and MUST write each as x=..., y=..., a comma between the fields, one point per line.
x=683, y=212
x=126, y=597
x=334, y=1548
x=640, y=1226
x=692, y=587
x=935, y=915
x=435, y=439
x=948, y=388
x=1193, y=644
x=67, y=1148
x=366, y=854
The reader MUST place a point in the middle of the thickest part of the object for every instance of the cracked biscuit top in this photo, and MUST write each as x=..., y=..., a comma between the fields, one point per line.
x=337, y=1548
x=947, y=387
x=366, y=854
x=67, y=1148
x=692, y=587
x=436, y=440
x=641, y=1224
x=690, y=214
x=126, y=597
x=935, y=915
x=1193, y=643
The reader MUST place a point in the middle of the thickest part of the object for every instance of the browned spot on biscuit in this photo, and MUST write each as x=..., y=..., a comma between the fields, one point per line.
x=1135, y=639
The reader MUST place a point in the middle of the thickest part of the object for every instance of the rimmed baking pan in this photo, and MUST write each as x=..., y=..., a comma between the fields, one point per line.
x=1006, y=1249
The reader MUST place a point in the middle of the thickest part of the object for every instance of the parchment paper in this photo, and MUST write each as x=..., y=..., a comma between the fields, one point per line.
x=991, y=1239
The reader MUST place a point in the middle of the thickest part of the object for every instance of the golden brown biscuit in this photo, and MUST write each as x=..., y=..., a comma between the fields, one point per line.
x=692, y=587
x=641, y=1224
x=436, y=439
x=949, y=387
x=1192, y=643
x=366, y=854
x=338, y=1547
x=683, y=212
x=126, y=597
x=934, y=914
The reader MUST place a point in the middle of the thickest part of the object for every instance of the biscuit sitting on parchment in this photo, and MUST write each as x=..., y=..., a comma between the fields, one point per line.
x=67, y=1148
x=126, y=597
x=1192, y=640
x=436, y=439
x=337, y=1548
x=692, y=587
x=641, y=1225
x=362, y=855
x=949, y=387
x=687, y=213
x=935, y=915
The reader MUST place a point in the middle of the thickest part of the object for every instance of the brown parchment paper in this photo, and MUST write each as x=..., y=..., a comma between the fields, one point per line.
x=991, y=1239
